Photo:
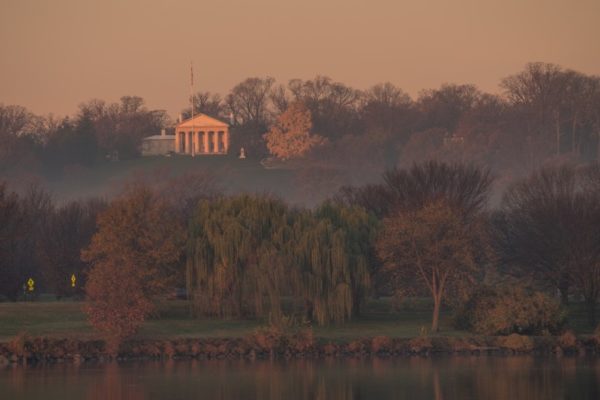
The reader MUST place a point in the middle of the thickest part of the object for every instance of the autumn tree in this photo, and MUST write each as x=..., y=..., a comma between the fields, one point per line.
x=132, y=257
x=431, y=247
x=290, y=136
x=118, y=302
x=465, y=188
x=181, y=194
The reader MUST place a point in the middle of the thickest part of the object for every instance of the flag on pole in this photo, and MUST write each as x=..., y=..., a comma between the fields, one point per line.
x=191, y=74
x=193, y=138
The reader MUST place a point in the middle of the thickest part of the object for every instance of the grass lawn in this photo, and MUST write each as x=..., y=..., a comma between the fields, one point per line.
x=66, y=319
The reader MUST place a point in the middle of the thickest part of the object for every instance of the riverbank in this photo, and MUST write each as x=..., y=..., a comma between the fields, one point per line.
x=57, y=331
x=269, y=344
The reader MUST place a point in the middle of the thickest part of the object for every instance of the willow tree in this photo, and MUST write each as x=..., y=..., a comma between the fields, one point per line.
x=236, y=256
x=331, y=256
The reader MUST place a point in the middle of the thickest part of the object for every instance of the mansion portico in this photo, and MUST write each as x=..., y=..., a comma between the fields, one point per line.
x=201, y=135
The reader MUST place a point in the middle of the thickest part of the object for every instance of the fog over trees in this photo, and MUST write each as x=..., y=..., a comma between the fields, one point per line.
x=543, y=114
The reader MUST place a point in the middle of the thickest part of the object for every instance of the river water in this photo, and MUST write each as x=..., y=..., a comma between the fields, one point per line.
x=481, y=377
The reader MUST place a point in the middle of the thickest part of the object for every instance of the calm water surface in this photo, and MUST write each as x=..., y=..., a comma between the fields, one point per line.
x=406, y=378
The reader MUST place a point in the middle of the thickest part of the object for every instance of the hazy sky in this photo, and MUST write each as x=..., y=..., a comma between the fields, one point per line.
x=55, y=54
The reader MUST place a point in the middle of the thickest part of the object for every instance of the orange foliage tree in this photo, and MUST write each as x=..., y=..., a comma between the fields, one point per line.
x=133, y=255
x=290, y=136
x=430, y=247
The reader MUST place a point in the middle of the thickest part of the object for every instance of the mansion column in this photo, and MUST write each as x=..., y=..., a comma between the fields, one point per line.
x=215, y=141
x=205, y=138
x=226, y=141
x=197, y=140
x=188, y=143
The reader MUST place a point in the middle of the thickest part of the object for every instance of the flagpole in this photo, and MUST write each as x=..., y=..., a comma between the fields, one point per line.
x=192, y=101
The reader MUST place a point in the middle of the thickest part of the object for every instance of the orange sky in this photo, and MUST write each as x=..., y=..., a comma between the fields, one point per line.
x=58, y=53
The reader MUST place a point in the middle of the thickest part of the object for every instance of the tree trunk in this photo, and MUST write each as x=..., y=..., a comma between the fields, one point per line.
x=591, y=310
x=564, y=297
x=356, y=304
x=597, y=146
x=563, y=288
x=436, y=314
x=574, y=142
x=309, y=310
x=557, y=117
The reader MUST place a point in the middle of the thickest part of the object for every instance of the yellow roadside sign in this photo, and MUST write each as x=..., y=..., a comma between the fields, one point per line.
x=73, y=280
x=30, y=285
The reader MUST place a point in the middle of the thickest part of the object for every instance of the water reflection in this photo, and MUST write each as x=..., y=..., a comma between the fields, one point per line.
x=406, y=378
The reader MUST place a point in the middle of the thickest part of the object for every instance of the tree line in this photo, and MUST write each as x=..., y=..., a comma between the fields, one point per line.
x=427, y=230
x=543, y=113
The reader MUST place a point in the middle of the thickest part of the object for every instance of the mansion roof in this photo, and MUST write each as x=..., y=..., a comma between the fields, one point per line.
x=202, y=120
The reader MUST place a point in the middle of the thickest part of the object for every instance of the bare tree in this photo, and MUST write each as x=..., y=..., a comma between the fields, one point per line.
x=444, y=107
x=66, y=232
x=388, y=110
x=249, y=101
x=464, y=187
x=333, y=105
x=14, y=120
x=548, y=231
x=11, y=222
x=556, y=104
x=211, y=104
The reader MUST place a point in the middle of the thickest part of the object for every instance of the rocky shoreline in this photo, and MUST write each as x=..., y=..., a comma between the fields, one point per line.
x=25, y=350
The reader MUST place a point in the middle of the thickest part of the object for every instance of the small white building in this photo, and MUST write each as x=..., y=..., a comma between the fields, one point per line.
x=158, y=145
